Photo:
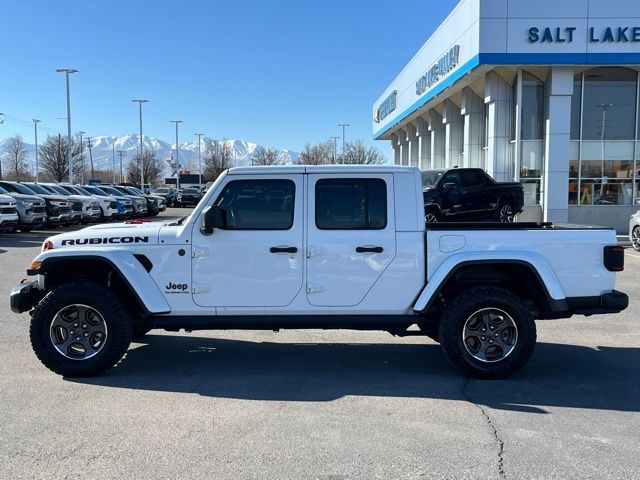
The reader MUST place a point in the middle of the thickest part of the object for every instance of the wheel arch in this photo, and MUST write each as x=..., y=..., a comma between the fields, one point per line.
x=126, y=273
x=523, y=277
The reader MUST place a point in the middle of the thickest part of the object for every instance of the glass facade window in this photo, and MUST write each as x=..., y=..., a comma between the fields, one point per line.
x=603, y=130
x=531, y=137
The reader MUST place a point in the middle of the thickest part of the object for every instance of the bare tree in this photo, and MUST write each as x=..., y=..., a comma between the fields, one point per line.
x=152, y=168
x=16, y=160
x=264, y=156
x=54, y=158
x=356, y=153
x=320, y=154
x=218, y=158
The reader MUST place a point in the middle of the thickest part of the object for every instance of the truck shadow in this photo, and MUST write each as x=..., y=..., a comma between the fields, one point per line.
x=557, y=375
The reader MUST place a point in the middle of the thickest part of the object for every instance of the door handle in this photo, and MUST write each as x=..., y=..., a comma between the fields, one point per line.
x=283, y=249
x=369, y=249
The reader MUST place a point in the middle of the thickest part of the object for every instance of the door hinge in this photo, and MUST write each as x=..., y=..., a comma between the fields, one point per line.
x=199, y=288
x=199, y=252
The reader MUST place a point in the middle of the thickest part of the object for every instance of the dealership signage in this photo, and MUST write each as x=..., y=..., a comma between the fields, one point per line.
x=593, y=34
x=387, y=106
x=445, y=64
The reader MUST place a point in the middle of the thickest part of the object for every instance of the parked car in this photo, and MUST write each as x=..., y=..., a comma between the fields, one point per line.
x=189, y=197
x=634, y=231
x=468, y=194
x=8, y=213
x=32, y=210
x=58, y=207
x=107, y=206
x=155, y=203
x=84, y=209
x=169, y=193
x=123, y=205
x=139, y=203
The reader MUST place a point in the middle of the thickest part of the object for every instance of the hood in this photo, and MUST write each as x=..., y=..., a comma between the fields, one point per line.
x=83, y=198
x=56, y=198
x=6, y=198
x=114, y=235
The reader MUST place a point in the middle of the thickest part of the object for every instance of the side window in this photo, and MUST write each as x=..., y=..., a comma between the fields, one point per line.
x=351, y=204
x=452, y=177
x=258, y=204
x=472, y=178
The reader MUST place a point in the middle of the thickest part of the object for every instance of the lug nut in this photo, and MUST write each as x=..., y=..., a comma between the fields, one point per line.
x=483, y=338
x=78, y=339
x=71, y=332
x=86, y=334
x=75, y=324
x=495, y=334
x=84, y=325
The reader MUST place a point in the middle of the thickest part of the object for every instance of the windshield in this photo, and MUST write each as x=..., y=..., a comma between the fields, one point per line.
x=122, y=190
x=189, y=191
x=83, y=191
x=111, y=191
x=72, y=190
x=431, y=177
x=2, y=190
x=161, y=190
x=94, y=191
x=135, y=191
x=38, y=188
x=21, y=189
x=58, y=190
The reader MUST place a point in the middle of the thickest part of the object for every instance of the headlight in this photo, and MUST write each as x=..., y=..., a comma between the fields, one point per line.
x=27, y=204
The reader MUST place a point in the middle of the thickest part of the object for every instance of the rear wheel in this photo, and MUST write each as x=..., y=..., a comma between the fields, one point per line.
x=505, y=213
x=80, y=329
x=635, y=238
x=487, y=332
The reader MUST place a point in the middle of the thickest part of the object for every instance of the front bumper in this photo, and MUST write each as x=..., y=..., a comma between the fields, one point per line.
x=33, y=219
x=76, y=217
x=25, y=296
x=60, y=219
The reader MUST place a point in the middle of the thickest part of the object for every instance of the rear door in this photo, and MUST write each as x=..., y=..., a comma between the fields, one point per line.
x=351, y=236
x=256, y=261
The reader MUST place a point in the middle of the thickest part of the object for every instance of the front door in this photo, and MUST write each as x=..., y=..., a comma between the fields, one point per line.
x=351, y=236
x=256, y=260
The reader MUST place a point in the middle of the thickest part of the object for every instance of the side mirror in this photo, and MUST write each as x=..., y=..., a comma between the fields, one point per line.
x=448, y=186
x=213, y=217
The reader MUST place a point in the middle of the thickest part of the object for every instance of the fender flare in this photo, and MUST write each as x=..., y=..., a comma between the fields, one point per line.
x=535, y=262
x=131, y=271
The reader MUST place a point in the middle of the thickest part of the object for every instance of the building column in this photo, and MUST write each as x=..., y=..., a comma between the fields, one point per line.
x=436, y=129
x=452, y=121
x=497, y=96
x=412, y=145
x=396, y=149
x=424, y=144
x=404, y=148
x=471, y=109
x=555, y=183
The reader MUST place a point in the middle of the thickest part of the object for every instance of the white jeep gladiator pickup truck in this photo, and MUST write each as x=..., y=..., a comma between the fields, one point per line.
x=315, y=247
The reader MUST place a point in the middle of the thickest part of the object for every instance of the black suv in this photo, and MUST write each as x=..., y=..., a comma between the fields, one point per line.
x=468, y=194
x=170, y=195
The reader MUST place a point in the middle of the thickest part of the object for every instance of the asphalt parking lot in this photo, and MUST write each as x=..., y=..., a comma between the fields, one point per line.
x=322, y=404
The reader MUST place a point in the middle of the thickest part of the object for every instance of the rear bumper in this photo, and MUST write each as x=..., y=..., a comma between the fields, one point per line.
x=25, y=296
x=610, y=302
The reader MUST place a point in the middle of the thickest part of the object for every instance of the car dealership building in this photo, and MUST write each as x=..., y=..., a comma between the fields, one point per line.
x=542, y=92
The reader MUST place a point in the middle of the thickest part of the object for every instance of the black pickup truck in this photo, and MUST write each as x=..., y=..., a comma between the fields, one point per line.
x=469, y=194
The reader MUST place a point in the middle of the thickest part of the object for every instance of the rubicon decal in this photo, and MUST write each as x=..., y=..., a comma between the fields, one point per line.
x=105, y=240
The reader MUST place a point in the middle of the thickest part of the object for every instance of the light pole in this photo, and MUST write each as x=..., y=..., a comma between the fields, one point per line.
x=93, y=173
x=335, y=148
x=113, y=157
x=67, y=71
x=343, y=125
x=82, y=154
x=140, y=101
x=604, y=107
x=177, y=122
x=199, y=135
x=35, y=127
x=121, y=153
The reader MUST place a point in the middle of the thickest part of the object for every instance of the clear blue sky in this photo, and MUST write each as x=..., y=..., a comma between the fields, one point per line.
x=279, y=73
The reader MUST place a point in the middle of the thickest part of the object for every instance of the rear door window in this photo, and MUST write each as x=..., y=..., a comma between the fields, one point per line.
x=351, y=204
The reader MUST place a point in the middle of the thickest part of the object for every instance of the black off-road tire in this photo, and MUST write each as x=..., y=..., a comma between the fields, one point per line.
x=462, y=307
x=101, y=299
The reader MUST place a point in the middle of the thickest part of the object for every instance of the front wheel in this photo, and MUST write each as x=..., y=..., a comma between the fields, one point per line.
x=80, y=329
x=487, y=332
x=635, y=238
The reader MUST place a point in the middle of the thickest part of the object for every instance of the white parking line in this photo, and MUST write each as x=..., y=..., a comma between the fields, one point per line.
x=632, y=255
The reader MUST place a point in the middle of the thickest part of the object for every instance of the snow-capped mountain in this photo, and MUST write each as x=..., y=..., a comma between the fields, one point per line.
x=102, y=149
